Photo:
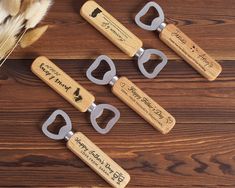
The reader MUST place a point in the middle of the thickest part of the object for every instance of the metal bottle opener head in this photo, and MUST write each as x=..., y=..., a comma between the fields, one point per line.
x=144, y=56
x=97, y=110
x=109, y=77
x=64, y=132
x=157, y=23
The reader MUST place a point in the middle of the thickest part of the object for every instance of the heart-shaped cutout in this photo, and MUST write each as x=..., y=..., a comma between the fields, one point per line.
x=108, y=76
x=156, y=22
x=63, y=130
x=98, y=111
x=146, y=57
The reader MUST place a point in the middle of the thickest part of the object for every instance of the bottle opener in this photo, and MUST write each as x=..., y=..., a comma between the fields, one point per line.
x=87, y=151
x=180, y=43
x=73, y=92
x=121, y=37
x=134, y=97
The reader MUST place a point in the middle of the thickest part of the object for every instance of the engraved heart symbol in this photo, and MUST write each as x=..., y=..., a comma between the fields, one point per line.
x=98, y=111
x=122, y=84
x=63, y=130
x=107, y=76
x=155, y=22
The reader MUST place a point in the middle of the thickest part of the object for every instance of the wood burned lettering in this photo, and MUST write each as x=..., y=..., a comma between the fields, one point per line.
x=53, y=76
x=144, y=103
x=203, y=58
x=119, y=177
x=97, y=160
x=107, y=24
x=48, y=70
x=82, y=146
x=178, y=35
x=198, y=55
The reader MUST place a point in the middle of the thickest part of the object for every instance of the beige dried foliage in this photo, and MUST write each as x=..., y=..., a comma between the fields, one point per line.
x=7, y=47
x=41, y=12
x=16, y=20
x=12, y=6
x=25, y=5
x=32, y=36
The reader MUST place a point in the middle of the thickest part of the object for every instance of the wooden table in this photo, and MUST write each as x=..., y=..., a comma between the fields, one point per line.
x=199, y=152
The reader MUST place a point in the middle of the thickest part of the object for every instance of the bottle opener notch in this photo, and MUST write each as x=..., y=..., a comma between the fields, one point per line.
x=87, y=151
x=119, y=35
x=156, y=22
x=135, y=98
x=173, y=37
x=73, y=92
x=108, y=76
x=98, y=111
x=145, y=57
x=63, y=132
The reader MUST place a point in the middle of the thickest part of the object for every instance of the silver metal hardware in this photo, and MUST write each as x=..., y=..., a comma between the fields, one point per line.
x=139, y=52
x=64, y=131
x=156, y=22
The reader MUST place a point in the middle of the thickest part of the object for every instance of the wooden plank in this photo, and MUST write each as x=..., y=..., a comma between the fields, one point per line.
x=198, y=152
x=210, y=24
x=199, y=148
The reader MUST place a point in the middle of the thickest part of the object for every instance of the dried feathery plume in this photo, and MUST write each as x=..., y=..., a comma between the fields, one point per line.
x=3, y=13
x=36, y=18
x=26, y=4
x=32, y=36
x=12, y=6
x=11, y=28
x=11, y=31
x=32, y=9
x=9, y=44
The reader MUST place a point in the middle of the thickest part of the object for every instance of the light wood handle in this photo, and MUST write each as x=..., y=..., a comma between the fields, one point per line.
x=96, y=159
x=111, y=28
x=142, y=104
x=63, y=84
x=190, y=52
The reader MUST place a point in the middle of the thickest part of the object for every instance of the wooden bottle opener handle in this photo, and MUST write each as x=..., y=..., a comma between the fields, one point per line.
x=96, y=159
x=142, y=104
x=63, y=84
x=190, y=52
x=111, y=28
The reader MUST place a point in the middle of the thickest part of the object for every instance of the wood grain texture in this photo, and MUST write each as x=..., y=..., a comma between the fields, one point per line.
x=62, y=83
x=143, y=105
x=97, y=160
x=190, y=52
x=200, y=150
x=209, y=23
x=111, y=28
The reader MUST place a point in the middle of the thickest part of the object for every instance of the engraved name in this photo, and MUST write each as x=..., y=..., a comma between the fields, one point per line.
x=178, y=35
x=143, y=100
x=96, y=159
x=53, y=75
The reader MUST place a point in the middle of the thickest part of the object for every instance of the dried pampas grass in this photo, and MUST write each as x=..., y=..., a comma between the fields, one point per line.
x=24, y=15
x=12, y=27
x=13, y=6
x=3, y=13
x=9, y=44
x=26, y=4
x=32, y=36
x=36, y=18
